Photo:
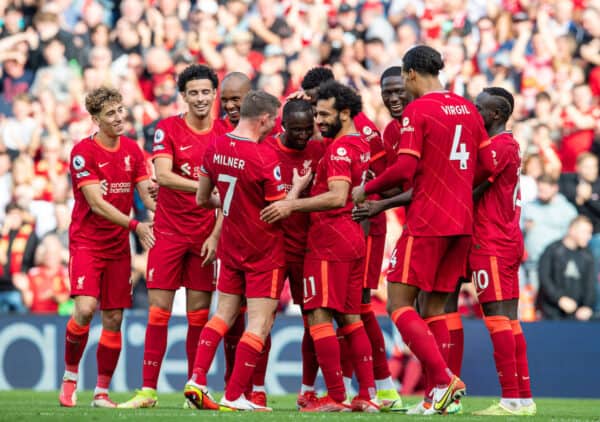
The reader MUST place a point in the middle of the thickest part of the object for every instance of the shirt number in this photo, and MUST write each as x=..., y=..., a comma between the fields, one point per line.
x=459, y=149
x=231, y=181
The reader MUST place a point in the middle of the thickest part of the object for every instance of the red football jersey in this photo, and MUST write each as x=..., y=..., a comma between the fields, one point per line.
x=295, y=227
x=332, y=235
x=248, y=177
x=118, y=170
x=176, y=210
x=377, y=164
x=44, y=284
x=391, y=141
x=444, y=131
x=496, y=229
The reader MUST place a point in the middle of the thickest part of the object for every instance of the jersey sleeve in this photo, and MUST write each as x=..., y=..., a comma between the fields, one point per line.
x=205, y=168
x=339, y=164
x=273, y=184
x=163, y=142
x=411, y=132
x=83, y=168
x=140, y=171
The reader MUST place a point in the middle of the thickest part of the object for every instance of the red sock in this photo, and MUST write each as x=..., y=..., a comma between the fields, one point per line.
x=196, y=322
x=260, y=372
x=211, y=336
x=413, y=371
x=310, y=365
x=230, y=342
x=439, y=329
x=155, y=345
x=380, y=364
x=362, y=358
x=420, y=340
x=248, y=350
x=328, y=355
x=345, y=355
x=457, y=342
x=522, y=362
x=109, y=349
x=504, y=354
x=76, y=338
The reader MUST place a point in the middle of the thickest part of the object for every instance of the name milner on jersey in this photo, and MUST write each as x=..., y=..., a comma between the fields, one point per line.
x=227, y=161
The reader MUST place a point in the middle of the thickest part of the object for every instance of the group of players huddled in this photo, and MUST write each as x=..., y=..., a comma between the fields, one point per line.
x=300, y=197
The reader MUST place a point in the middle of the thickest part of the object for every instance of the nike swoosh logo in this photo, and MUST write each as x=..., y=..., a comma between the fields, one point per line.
x=103, y=164
x=183, y=148
x=308, y=300
x=440, y=403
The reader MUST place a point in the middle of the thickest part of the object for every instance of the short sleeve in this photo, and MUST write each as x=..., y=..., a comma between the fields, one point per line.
x=205, y=168
x=162, y=146
x=83, y=168
x=140, y=171
x=411, y=132
x=274, y=188
x=338, y=162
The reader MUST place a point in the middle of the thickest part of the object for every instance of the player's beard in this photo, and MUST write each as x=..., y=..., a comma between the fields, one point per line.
x=333, y=129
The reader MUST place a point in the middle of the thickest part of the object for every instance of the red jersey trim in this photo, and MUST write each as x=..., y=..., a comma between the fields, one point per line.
x=485, y=144
x=409, y=152
x=276, y=197
x=344, y=178
x=201, y=173
x=139, y=179
x=286, y=149
x=114, y=149
x=162, y=154
x=88, y=182
x=377, y=156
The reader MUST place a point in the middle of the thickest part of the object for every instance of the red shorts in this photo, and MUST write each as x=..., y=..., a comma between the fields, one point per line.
x=108, y=280
x=373, y=261
x=294, y=272
x=333, y=285
x=173, y=263
x=253, y=285
x=433, y=264
x=496, y=278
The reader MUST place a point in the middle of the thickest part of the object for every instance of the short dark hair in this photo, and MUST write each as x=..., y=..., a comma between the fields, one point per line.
x=548, y=179
x=296, y=105
x=507, y=101
x=12, y=206
x=542, y=96
x=315, y=77
x=345, y=97
x=258, y=102
x=390, y=71
x=96, y=100
x=423, y=59
x=196, y=71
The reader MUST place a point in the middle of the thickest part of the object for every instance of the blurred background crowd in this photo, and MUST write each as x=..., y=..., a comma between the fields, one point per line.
x=547, y=52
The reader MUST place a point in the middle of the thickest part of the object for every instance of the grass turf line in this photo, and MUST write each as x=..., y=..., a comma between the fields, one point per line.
x=25, y=405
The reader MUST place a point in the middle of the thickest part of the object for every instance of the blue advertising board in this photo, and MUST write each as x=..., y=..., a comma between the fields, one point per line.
x=563, y=356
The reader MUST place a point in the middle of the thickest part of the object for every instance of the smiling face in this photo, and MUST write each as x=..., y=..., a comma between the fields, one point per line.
x=199, y=95
x=111, y=119
x=328, y=118
x=233, y=92
x=299, y=128
x=394, y=95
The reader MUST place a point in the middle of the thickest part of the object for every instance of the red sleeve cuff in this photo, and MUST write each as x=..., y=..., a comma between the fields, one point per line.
x=87, y=182
x=275, y=197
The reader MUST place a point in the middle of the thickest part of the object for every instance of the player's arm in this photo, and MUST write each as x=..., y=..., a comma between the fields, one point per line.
x=480, y=189
x=370, y=209
x=205, y=193
x=93, y=195
x=165, y=176
x=143, y=188
x=335, y=197
x=402, y=171
x=299, y=183
x=209, y=247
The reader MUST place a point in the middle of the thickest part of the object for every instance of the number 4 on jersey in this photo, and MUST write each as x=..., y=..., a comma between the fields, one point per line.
x=459, y=149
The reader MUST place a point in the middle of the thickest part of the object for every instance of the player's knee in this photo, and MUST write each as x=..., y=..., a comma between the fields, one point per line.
x=111, y=320
x=84, y=312
x=261, y=326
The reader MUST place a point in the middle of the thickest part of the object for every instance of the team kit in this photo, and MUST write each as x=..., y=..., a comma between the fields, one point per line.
x=297, y=192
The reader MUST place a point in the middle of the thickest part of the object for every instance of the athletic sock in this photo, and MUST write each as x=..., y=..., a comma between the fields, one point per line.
x=76, y=338
x=420, y=340
x=211, y=336
x=328, y=356
x=155, y=345
x=196, y=321
x=503, y=341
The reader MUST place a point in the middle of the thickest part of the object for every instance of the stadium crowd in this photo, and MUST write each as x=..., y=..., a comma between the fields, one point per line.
x=53, y=52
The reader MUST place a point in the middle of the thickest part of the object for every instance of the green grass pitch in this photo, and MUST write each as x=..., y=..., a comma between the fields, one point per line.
x=29, y=406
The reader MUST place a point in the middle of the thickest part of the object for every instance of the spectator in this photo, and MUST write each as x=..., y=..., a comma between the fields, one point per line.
x=567, y=284
x=5, y=183
x=57, y=75
x=21, y=133
x=48, y=283
x=17, y=252
x=545, y=220
x=15, y=79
